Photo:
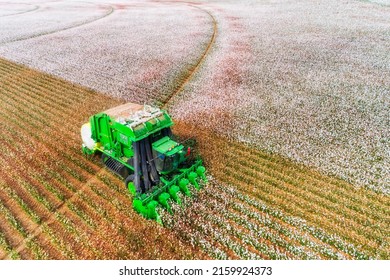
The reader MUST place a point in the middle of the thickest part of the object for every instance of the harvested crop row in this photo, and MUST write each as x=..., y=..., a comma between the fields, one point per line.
x=359, y=217
x=226, y=218
x=291, y=171
x=79, y=212
x=33, y=111
x=263, y=224
x=12, y=229
x=294, y=193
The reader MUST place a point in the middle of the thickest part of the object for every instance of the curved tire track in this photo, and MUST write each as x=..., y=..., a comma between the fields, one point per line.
x=108, y=13
x=22, y=12
x=200, y=61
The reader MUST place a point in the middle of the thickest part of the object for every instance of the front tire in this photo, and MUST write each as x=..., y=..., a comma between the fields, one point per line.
x=129, y=183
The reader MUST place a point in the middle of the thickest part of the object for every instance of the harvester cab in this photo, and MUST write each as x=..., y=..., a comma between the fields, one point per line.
x=137, y=144
x=168, y=155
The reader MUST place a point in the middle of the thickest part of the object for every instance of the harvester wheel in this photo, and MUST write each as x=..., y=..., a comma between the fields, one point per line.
x=87, y=151
x=129, y=183
x=104, y=156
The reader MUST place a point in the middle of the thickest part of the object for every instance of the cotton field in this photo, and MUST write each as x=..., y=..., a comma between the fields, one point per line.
x=287, y=101
x=301, y=81
x=139, y=47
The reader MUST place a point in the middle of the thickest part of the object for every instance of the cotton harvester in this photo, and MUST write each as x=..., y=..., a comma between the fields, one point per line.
x=136, y=143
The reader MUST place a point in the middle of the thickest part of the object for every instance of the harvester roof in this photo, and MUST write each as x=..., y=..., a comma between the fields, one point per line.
x=141, y=119
x=124, y=111
x=133, y=114
x=167, y=146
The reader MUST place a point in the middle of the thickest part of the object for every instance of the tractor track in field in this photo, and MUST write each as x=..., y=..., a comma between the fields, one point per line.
x=109, y=12
x=183, y=82
x=51, y=219
x=22, y=12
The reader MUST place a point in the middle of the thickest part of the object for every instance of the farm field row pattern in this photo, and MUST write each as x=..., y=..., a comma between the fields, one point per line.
x=354, y=221
x=55, y=203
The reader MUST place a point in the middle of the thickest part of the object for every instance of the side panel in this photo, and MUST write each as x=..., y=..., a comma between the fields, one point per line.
x=123, y=135
x=101, y=131
x=114, y=138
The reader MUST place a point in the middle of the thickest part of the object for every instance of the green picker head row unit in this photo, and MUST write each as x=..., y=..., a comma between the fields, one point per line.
x=136, y=143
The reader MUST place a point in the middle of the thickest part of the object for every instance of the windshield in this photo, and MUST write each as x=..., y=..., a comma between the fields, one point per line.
x=165, y=163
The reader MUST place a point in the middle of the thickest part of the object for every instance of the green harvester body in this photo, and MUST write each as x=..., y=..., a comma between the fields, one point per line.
x=136, y=143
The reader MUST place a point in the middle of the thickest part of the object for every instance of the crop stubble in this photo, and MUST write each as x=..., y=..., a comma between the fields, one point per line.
x=40, y=141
